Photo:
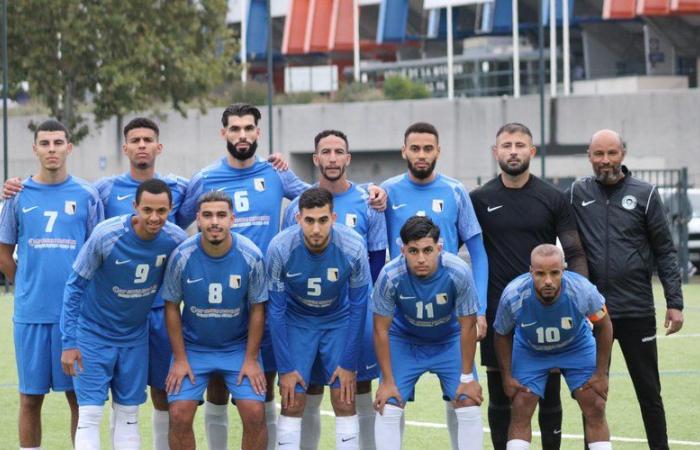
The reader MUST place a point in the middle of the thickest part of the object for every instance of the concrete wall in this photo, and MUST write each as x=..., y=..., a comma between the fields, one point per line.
x=661, y=129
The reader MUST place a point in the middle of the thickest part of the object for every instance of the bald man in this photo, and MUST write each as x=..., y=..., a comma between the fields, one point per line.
x=626, y=237
x=543, y=323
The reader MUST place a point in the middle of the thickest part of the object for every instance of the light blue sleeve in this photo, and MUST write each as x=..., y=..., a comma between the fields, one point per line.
x=172, y=281
x=384, y=295
x=188, y=209
x=466, y=303
x=72, y=300
x=290, y=214
x=588, y=300
x=8, y=221
x=277, y=309
x=376, y=233
x=505, y=322
x=257, y=287
x=90, y=256
x=480, y=268
x=292, y=184
x=96, y=214
x=104, y=188
x=467, y=223
x=360, y=275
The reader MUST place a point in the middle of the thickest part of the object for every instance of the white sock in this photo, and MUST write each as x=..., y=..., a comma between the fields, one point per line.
x=271, y=419
x=87, y=437
x=216, y=425
x=601, y=445
x=161, y=426
x=387, y=427
x=452, y=426
x=311, y=422
x=112, y=418
x=347, y=433
x=288, y=432
x=471, y=433
x=517, y=444
x=126, y=427
x=365, y=415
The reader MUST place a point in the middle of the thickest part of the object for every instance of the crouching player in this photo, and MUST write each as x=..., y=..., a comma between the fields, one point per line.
x=220, y=277
x=425, y=306
x=542, y=323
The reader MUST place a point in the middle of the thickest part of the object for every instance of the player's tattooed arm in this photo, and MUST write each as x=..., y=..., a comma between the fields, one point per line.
x=387, y=388
x=468, y=338
x=181, y=366
x=603, y=332
x=12, y=187
x=251, y=368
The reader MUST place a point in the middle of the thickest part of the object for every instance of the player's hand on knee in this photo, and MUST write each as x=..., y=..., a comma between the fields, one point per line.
x=278, y=162
x=179, y=370
x=347, y=380
x=69, y=358
x=472, y=391
x=377, y=197
x=599, y=384
x=288, y=384
x=251, y=369
x=511, y=387
x=12, y=187
x=674, y=320
x=481, y=327
x=385, y=392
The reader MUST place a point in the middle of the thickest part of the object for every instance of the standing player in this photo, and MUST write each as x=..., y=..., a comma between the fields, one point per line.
x=106, y=304
x=424, y=192
x=332, y=156
x=319, y=286
x=425, y=306
x=551, y=311
x=517, y=212
x=48, y=222
x=221, y=279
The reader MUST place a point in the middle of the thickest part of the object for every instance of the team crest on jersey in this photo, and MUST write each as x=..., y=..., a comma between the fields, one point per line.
x=351, y=220
x=441, y=298
x=333, y=274
x=234, y=281
x=160, y=259
x=420, y=213
x=70, y=206
x=438, y=205
x=567, y=323
x=629, y=202
x=259, y=184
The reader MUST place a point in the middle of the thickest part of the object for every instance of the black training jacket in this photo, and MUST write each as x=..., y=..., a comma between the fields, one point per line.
x=625, y=234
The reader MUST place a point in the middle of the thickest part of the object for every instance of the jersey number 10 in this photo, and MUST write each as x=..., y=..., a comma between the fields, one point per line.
x=547, y=335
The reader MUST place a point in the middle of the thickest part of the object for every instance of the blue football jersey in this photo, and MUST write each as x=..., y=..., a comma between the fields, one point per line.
x=49, y=223
x=317, y=291
x=216, y=292
x=257, y=194
x=444, y=200
x=425, y=310
x=557, y=327
x=124, y=272
x=118, y=193
x=353, y=210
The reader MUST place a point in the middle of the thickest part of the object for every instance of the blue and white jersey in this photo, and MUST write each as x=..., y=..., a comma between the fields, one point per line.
x=558, y=327
x=353, y=210
x=317, y=291
x=118, y=193
x=425, y=310
x=444, y=200
x=124, y=272
x=49, y=223
x=217, y=292
x=257, y=194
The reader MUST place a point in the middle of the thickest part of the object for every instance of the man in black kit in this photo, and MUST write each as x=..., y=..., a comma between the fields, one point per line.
x=517, y=212
x=626, y=235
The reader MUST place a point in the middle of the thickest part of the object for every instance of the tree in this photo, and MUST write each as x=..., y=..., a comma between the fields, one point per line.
x=121, y=55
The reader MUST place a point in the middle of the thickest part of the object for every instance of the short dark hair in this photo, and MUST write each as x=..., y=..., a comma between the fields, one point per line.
x=141, y=122
x=214, y=196
x=421, y=127
x=514, y=127
x=154, y=186
x=419, y=227
x=52, y=125
x=315, y=198
x=326, y=133
x=240, y=110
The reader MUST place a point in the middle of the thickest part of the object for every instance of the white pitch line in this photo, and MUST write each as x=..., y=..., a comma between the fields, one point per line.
x=678, y=336
x=579, y=437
